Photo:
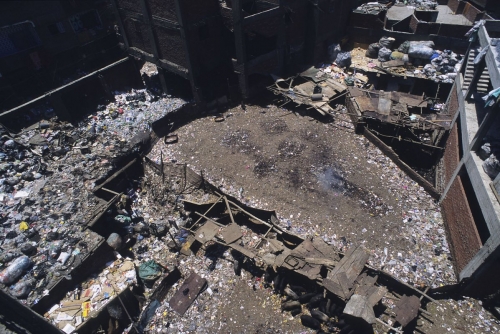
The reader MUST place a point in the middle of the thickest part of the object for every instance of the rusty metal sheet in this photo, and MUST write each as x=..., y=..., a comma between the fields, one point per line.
x=231, y=233
x=187, y=293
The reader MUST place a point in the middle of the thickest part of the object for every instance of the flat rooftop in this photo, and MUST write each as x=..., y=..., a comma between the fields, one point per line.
x=398, y=13
x=447, y=16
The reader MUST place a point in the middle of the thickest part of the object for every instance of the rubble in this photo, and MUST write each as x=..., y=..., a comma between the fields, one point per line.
x=48, y=172
x=153, y=212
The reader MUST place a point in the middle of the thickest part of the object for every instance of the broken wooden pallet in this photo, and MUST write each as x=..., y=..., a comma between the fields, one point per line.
x=340, y=280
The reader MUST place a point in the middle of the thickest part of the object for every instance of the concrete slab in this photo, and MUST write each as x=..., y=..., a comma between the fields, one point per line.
x=447, y=16
x=398, y=13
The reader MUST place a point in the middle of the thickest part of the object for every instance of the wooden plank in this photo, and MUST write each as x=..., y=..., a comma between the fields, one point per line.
x=231, y=233
x=206, y=232
x=347, y=271
x=407, y=309
x=358, y=307
x=375, y=294
x=187, y=293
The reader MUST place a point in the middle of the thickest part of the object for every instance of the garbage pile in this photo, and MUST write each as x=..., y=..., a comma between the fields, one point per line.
x=440, y=66
x=421, y=4
x=92, y=295
x=47, y=173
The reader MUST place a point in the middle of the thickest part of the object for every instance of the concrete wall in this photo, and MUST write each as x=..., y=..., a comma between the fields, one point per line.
x=163, y=8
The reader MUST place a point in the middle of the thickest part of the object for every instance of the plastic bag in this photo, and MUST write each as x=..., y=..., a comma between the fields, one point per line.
x=115, y=241
x=491, y=166
x=420, y=51
x=149, y=272
x=386, y=42
x=372, y=51
x=15, y=270
x=343, y=59
x=384, y=54
x=404, y=47
x=333, y=51
x=397, y=55
x=21, y=289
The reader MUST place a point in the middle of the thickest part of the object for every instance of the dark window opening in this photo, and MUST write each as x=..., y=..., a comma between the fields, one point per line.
x=258, y=45
x=56, y=28
x=85, y=21
x=203, y=32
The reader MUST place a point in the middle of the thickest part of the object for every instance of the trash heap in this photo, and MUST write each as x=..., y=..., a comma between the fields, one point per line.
x=419, y=57
x=92, y=295
x=420, y=4
x=47, y=173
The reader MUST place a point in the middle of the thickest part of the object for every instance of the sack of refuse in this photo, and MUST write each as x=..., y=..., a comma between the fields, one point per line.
x=333, y=51
x=149, y=272
x=386, y=42
x=429, y=70
x=384, y=54
x=485, y=151
x=15, y=270
x=343, y=59
x=404, y=47
x=420, y=50
x=491, y=166
x=372, y=51
x=429, y=44
x=396, y=55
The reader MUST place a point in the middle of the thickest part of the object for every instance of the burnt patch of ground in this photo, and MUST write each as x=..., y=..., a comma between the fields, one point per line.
x=264, y=166
x=275, y=126
x=239, y=141
x=290, y=148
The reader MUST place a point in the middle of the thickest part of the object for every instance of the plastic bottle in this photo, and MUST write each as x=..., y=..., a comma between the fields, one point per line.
x=15, y=270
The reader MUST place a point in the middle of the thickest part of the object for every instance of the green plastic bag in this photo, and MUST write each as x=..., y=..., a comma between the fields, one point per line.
x=149, y=272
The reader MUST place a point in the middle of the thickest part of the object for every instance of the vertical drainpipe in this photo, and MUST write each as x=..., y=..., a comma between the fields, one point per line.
x=241, y=54
x=147, y=20
x=193, y=77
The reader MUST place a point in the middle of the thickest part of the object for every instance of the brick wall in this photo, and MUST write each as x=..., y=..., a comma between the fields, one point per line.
x=268, y=27
x=453, y=4
x=471, y=12
x=132, y=5
x=170, y=45
x=451, y=154
x=206, y=53
x=296, y=34
x=460, y=226
x=163, y=8
x=413, y=23
x=138, y=35
x=196, y=10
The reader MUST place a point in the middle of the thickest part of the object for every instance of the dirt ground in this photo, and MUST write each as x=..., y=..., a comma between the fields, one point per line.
x=323, y=180
x=320, y=177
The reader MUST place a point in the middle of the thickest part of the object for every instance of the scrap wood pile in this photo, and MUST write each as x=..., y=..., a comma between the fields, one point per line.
x=315, y=87
x=329, y=291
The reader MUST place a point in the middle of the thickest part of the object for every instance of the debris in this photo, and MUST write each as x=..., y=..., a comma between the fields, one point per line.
x=187, y=293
